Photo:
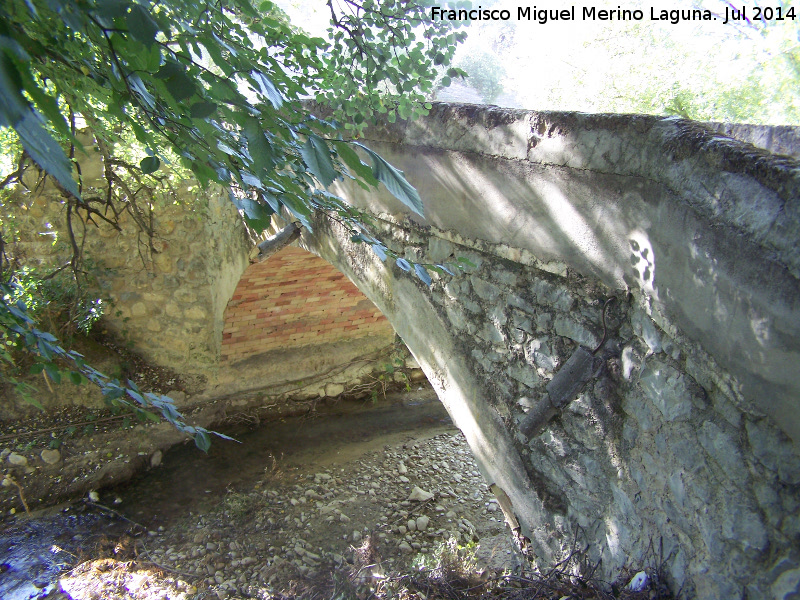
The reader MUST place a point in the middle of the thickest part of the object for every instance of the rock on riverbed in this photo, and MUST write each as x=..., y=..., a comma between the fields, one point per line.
x=302, y=524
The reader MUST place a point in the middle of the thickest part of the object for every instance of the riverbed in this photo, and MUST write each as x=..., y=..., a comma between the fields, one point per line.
x=290, y=501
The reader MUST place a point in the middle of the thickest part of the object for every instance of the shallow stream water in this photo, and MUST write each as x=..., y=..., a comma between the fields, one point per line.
x=189, y=480
x=34, y=551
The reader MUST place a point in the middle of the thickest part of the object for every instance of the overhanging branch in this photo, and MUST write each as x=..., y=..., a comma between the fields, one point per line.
x=277, y=242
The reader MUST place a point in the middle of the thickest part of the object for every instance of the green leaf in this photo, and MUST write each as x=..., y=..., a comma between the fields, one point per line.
x=251, y=180
x=351, y=159
x=44, y=150
x=181, y=86
x=53, y=372
x=466, y=261
x=138, y=86
x=256, y=214
x=445, y=269
x=169, y=69
x=422, y=274
x=141, y=25
x=201, y=110
x=46, y=104
x=112, y=8
x=202, y=441
x=225, y=437
x=149, y=164
x=150, y=415
x=317, y=156
x=268, y=89
x=44, y=350
x=395, y=181
x=380, y=251
x=258, y=145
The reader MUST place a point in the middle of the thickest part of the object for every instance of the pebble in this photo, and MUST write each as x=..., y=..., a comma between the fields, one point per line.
x=374, y=492
x=17, y=460
x=51, y=457
x=420, y=495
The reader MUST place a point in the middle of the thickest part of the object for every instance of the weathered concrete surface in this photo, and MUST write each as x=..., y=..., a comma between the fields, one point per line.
x=682, y=443
x=647, y=454
x=678, y=443
x=704, y=227
x=778, y=139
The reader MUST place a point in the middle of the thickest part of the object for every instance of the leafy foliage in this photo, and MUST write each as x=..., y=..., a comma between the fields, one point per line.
x=388, y=55
x=219, y=84
x=57, y=363
x=212, y=89
x=485, y=74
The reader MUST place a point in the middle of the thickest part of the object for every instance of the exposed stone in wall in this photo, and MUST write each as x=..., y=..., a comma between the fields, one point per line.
x=295, y=328
x=678, y=443
x=704, y=226
x=653, y=458
x=168, y=302
x=296, y=299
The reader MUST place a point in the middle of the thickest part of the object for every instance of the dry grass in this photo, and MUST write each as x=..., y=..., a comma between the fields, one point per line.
x=450, y=573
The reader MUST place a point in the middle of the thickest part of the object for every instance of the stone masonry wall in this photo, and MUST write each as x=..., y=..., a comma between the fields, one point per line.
x=296, y=299
x=656, y=459
x=272, y=337
x=168, y=302
x=680, y=448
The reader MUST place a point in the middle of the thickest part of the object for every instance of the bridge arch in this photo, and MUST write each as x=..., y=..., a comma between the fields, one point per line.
x=691, y=405
x=298, y=326
x=685, y=432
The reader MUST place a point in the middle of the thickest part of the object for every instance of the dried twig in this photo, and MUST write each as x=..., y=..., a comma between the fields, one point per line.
x=13, y=481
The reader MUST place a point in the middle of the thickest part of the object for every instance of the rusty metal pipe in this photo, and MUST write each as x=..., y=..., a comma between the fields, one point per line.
x=565, y=386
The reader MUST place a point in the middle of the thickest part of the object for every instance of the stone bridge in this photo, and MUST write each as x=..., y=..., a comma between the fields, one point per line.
x=677, y=440
x=685, y=437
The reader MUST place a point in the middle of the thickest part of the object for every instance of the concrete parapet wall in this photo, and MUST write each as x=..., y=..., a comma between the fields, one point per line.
x=705, y=227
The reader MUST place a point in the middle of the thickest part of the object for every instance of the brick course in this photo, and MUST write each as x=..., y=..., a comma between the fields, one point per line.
x=295, y=299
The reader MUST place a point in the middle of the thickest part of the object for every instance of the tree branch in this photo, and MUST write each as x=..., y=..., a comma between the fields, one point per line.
x=277, y=242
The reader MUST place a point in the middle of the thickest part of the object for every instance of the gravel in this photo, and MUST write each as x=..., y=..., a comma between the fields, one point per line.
x=297, y=526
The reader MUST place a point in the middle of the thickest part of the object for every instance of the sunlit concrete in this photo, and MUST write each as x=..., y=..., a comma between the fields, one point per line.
x=702, y=226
